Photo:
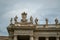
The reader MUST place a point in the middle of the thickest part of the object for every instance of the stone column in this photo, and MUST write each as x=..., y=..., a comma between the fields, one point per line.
x=36, y=38
x=15, y=37
x=57, y=38
x=47, y=38
x=31, y=38
x=10, y=37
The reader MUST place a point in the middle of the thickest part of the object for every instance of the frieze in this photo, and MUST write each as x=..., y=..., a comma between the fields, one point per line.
x=23, y=32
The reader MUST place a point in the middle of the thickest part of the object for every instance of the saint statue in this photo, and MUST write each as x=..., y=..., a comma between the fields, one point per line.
x=46, y=19
x=36, y=21
x=56, y=21
x=31, y=19
x=46, y=22
x=15, y=19
x=24, y=16
x=11, y=20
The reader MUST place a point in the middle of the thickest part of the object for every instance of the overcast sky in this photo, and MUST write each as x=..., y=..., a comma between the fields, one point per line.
x=37, y=8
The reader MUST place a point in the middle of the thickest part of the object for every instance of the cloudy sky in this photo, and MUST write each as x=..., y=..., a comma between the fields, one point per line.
x=37, y=8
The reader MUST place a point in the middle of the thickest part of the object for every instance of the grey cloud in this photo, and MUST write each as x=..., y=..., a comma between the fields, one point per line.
x=50, y=13
x=38, y=8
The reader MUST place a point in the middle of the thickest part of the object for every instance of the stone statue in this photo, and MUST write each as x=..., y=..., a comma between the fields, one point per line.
x=46, y=22
x=31, y=19
x=24, y=16
x=36, y=20
x=15, y=19
x=11, y=20
x=46, y=19
x=56, y=21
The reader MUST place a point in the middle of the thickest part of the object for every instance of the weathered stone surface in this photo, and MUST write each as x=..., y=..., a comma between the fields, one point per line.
x=23, y=32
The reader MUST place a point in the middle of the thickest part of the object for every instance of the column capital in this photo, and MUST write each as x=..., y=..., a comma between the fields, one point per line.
x=15, y=35
x=31, y=36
